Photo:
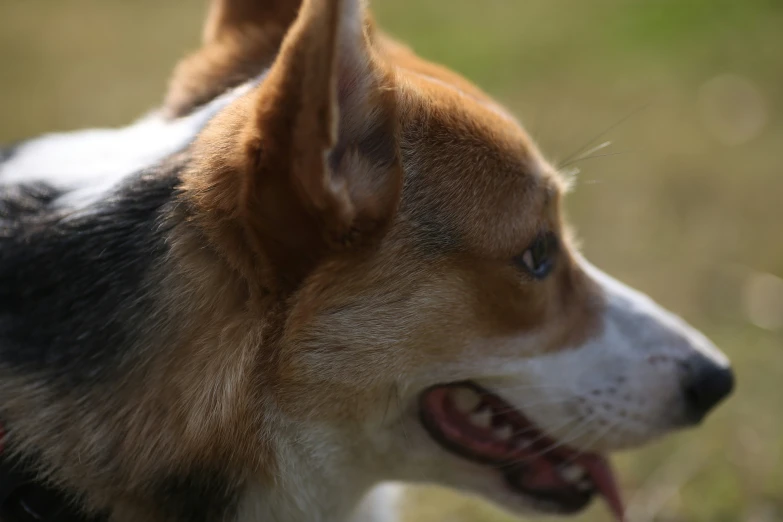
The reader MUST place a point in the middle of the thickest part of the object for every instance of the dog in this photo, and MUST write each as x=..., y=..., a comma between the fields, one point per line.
x=324, y=263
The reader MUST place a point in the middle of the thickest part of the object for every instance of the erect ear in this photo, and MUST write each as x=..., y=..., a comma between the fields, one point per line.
x=313, y=167
x=241, y=38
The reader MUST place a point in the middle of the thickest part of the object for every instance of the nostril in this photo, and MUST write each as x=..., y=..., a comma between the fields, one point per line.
x=705, y=387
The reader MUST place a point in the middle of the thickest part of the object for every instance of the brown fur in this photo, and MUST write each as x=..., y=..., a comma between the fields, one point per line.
x=460, y=139
x=298, y=224
x=240, y=38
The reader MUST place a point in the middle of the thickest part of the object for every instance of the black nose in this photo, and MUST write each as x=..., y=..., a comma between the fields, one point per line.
x=706, y=384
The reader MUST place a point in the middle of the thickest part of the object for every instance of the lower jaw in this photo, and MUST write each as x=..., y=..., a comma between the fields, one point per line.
x=508, y=478
x=556, y=503
x=529, y=474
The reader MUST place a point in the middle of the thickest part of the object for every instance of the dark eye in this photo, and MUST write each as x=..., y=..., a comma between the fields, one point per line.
x=539, y=259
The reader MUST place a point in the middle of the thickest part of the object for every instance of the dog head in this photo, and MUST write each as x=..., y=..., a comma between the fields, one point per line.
x=436, y=321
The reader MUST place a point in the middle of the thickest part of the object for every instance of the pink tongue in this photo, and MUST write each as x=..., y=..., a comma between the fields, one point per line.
x=601, y=473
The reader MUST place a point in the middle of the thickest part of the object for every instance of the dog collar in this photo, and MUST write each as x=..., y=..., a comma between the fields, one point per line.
x=25, y=499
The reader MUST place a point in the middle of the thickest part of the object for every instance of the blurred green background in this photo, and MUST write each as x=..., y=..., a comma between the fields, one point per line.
x=686, y=203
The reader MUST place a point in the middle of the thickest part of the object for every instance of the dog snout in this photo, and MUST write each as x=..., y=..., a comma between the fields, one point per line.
x=705, y=385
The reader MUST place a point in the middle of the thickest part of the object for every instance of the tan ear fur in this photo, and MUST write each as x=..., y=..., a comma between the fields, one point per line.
x=241, y=38
x=309, y=163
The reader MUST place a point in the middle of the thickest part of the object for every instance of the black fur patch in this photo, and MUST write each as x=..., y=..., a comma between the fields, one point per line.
x=199, y=496
x=72, y=293
x=19, y=202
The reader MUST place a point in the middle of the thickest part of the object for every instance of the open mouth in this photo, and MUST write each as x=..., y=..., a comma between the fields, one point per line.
x=480, y=426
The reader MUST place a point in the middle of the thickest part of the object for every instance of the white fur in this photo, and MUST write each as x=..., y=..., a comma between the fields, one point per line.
x=382, y=504
x=632, y=362
x=621, y=387
x=320, y=479
x=90, y=164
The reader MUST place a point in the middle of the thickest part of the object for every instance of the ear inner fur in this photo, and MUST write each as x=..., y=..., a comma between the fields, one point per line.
x=312, y=162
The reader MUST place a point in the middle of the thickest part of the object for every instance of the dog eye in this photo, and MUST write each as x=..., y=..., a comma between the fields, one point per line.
x=539, y=259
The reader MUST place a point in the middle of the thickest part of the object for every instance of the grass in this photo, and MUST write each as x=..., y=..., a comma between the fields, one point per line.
x=691, y=211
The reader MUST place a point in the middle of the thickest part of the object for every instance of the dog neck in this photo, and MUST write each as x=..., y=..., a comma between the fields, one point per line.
x=316, y=483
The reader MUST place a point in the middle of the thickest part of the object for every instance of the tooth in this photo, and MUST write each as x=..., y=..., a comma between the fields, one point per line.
x=482, y=418
x=572, y=473
x=465, y=399
x=504, y=432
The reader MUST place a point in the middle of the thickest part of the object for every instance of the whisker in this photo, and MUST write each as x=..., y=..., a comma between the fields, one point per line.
x=601, y=134
x=588, y=152
x=577, y=432
x=608, y=154
x=547, y=436
x=529, y=387
x=541, y=434
x=540, y=437
x=521, y=406
x=609, y=427
x=581, y=425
